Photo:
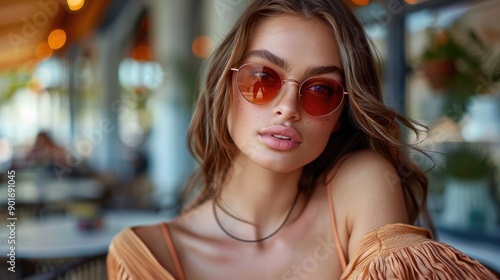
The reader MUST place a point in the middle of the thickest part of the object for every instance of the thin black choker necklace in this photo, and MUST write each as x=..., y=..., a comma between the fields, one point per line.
x=260, y=239
x=217, y=204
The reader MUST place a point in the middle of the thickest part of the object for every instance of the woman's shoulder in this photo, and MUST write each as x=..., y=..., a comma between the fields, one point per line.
x=362, y=161
x=361, y=168
x=365, y=178
x=139, y=253
x=401, y=251
x=367, y=192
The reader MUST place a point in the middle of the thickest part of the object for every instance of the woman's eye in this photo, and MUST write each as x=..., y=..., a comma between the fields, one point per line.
x=321, y=89
x=265, y=76
x=261, y=75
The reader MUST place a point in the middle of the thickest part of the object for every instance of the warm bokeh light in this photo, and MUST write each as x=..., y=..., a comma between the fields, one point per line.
x=361, y=2
x=412, y=2
x=202, y=46
x=142, y=52
x=75, y=5
x=43, y=51
x=57, y=39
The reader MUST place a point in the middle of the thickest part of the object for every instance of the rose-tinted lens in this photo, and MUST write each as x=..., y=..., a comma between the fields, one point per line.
x=258, y=84
x=321, y=96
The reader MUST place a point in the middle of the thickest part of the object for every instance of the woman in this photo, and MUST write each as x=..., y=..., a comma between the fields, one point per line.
x=302, y=173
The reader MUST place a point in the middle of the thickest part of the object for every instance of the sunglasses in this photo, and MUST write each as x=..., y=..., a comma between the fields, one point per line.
x=261, y=84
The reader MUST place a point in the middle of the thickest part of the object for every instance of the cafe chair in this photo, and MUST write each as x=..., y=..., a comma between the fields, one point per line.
x=79, y=269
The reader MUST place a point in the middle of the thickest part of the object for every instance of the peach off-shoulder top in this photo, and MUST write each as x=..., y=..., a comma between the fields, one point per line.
x=395, y=251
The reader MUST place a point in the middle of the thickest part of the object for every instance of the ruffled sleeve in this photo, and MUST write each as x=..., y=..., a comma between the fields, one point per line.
x=129, y=259
x=400, y=251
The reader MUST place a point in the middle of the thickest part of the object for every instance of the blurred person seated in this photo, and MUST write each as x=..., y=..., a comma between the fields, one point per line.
x=45, y=152
x=46, y=155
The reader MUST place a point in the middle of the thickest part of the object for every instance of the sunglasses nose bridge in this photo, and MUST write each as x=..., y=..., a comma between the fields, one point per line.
x=290, y=81
x=293, y=90
x=293, y=81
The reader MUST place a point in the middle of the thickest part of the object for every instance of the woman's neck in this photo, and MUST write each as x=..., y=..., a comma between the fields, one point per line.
x=259, y=196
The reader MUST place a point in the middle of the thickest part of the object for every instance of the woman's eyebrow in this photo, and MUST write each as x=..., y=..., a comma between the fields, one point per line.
x=324, y=70
x=269, y=56
x=280, y=62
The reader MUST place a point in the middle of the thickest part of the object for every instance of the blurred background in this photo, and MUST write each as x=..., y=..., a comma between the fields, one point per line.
x=96, y=97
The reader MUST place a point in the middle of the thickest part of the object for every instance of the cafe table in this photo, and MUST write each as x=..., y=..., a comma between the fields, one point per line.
x=50, y=190
x=60, y=237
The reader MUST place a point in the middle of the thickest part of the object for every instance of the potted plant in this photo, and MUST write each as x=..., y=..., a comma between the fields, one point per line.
x=461, y=64
x=438, y=60
x=468, y=202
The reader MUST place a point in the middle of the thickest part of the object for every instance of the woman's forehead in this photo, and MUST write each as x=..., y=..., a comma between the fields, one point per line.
x=289, y=41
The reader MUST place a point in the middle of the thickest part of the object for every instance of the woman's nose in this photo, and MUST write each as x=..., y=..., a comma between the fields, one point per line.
x=287, y=105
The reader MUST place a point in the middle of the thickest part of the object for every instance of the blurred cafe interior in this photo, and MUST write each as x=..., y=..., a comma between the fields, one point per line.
x=96, y=97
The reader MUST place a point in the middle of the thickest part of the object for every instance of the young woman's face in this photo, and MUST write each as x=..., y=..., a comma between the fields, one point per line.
x=280, y=135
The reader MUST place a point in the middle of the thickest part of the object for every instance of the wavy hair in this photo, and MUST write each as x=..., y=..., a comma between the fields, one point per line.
x=366, y=122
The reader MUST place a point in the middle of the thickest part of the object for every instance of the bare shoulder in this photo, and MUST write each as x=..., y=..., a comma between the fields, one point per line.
x=369, y=159
x=368, y=189
x=366, y=171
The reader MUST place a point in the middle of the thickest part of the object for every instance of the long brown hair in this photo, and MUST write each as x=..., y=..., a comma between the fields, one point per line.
x=366, y=122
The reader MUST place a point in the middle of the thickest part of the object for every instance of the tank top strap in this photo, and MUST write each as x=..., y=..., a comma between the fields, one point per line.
x=340, y=253
x=171, y=249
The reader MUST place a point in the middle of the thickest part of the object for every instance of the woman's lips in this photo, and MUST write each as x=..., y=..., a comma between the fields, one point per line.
x=279, y=137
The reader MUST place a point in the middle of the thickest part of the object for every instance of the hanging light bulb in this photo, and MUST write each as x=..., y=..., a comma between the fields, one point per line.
x=75, y=5
x=57, y=39
x=361, y=2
